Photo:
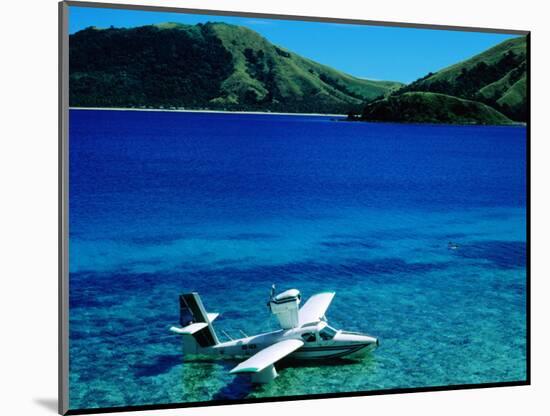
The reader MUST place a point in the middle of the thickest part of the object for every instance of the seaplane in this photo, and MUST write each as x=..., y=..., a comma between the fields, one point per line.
x=304, y=335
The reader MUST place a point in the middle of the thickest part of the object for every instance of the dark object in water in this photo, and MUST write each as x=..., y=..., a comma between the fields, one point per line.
x=452, y=246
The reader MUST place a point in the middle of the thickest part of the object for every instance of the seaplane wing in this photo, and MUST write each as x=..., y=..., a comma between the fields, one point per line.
x=315, y=307
x=268, y=356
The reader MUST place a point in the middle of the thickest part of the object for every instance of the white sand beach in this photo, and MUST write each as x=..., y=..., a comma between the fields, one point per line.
x=205, y=111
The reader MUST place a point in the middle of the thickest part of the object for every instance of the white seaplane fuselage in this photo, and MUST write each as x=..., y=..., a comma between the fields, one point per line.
x=320, y=342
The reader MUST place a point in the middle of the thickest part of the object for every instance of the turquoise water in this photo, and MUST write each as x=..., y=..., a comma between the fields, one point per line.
x=226, y=205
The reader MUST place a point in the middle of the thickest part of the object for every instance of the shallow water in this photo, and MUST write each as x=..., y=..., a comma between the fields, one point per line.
x=227, y=204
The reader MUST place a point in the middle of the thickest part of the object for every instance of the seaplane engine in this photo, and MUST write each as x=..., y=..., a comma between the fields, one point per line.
x=285, y=307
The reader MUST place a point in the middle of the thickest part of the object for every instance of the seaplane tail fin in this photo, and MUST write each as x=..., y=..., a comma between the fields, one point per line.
x=193, y=315
x=315, y=308
x=261, y=363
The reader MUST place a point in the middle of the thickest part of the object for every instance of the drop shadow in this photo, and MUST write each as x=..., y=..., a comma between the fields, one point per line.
x=47, y=403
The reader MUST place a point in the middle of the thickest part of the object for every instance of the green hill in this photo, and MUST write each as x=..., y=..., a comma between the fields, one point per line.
x=496, y=77
x=208, y=66
x=428, y=107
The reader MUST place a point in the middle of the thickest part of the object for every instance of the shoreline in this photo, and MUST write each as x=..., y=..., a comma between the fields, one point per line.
x=342, y=117
x=165, y=110
x=425, y=123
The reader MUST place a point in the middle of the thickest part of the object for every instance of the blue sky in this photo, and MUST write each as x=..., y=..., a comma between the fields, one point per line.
x=374, y=52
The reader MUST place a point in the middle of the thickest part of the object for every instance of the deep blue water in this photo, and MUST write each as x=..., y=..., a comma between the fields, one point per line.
x=227, y=204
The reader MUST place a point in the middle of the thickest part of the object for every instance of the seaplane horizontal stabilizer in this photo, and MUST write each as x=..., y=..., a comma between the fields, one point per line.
x=189, y=329
x=212, y=315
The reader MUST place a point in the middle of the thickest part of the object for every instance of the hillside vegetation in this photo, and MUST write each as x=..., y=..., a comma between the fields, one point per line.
x=206, y=66
x=496, y=77
x=429, y=107
x=218, y=66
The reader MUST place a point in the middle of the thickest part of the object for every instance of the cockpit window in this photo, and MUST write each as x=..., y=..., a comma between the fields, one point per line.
x=327, y=333
x=308, y=337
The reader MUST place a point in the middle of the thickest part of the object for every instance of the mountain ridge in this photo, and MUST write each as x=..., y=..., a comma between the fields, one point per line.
x=214, y=66
x=496, y=78
x=487, y=77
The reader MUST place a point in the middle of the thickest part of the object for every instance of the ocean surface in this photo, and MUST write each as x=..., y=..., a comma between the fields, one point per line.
x=228, y=204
